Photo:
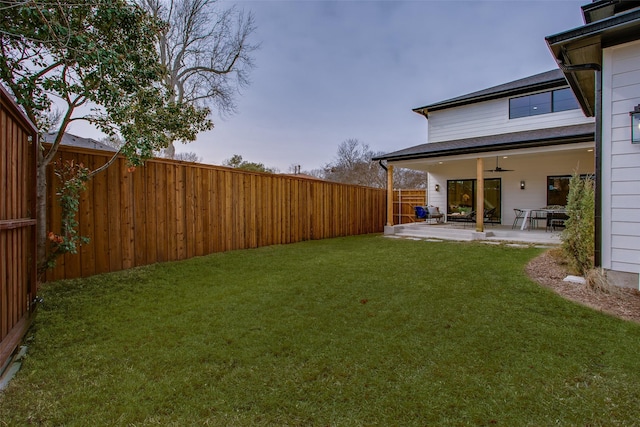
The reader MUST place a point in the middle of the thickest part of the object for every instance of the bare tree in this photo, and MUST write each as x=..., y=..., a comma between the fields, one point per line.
x=206, y=50
x=353, y=165
x=114, y=141
x=188, y=157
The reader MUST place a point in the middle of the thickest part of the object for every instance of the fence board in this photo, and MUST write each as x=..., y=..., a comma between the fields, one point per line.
x=162, y=225
x=114, y=217
x=88, y=213
x=17, y=224
x=404, y=202
x=174, y=210
x=101, y=219
x=151, y=214
x=126, y=218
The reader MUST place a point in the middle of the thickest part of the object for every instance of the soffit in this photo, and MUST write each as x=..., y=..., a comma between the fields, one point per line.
x=583, y=45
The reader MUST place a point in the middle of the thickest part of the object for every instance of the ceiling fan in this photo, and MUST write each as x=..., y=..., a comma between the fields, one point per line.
x=498, y=168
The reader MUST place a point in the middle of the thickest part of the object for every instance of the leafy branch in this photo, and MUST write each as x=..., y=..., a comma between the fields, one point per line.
x=73, y=178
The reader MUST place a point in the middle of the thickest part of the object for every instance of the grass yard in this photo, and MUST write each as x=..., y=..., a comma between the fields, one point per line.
x=342, y=332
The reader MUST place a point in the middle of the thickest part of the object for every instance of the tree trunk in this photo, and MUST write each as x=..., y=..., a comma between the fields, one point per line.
x=41, y=216
x=170, y=151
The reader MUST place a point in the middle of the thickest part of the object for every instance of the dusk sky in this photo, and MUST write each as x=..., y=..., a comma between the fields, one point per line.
x=328, y=71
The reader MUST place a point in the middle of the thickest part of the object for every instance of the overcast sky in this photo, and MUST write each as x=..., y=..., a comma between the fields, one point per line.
x=328, y=71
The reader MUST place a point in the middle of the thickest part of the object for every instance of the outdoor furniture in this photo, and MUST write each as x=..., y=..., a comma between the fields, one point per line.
x=519, y=215
x=538, y=215
x=428, y=213
x=528, y=220
x=489, y=216
x=556, y=219
x=462, y=217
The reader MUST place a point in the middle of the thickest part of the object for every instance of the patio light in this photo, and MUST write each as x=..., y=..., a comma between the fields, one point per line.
x=522, y=185
x=635, y=125
x=437, y=187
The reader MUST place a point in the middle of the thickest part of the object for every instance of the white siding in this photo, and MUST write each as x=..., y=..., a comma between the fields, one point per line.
x=533, y=169
x=492, y=118
x=620, y=160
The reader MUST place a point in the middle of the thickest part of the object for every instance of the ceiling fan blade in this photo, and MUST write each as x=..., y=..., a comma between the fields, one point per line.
x=498, y=168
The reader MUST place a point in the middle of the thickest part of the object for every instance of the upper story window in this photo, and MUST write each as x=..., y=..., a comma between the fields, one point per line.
x=542, y=103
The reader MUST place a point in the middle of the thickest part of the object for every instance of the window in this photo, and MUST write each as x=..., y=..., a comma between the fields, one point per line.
x=558, y=189
x=564, y=100
x=542, y=103
x=461, y=196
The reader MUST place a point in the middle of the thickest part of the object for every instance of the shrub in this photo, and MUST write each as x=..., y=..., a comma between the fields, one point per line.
x=578, y=236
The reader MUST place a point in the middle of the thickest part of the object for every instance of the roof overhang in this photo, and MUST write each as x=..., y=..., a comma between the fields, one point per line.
x=538, y=138
x=602, y=9
x=583, y=46
x=540, y=82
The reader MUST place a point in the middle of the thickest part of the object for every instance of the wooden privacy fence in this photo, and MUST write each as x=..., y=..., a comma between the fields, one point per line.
x=169, y=210
x=17, y=225
x=403, y=203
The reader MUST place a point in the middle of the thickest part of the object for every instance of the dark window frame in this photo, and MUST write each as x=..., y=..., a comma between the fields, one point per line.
x=521, y=106
x=562, y=177
x=473, y=190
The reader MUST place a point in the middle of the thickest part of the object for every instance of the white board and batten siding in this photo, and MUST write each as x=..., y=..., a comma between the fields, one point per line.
x=492, y=118
x=620, y=159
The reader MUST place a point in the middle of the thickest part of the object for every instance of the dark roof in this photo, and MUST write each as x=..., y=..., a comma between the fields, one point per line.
x=542, y=81
x=602, y=9
x=78, y=141
x=525, y=139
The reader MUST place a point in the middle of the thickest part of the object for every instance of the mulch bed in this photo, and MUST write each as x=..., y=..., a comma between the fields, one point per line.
x=549, y=270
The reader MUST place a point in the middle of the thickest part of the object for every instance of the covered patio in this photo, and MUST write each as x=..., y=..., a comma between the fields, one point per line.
x=502, y=173
x=461, y=232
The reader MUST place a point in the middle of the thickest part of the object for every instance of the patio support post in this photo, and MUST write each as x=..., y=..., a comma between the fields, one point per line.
x=389, y=195
x=479, y=195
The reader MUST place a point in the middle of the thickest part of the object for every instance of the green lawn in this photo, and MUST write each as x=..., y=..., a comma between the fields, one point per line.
x=342, y=332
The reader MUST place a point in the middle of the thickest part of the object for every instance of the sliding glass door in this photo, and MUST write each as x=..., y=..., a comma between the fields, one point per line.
x=461, y=196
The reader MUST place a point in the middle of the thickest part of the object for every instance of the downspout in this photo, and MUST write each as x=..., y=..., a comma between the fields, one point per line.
x=597, y=240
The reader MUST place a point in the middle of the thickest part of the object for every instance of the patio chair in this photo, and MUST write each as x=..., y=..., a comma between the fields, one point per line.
x=489, y=216
x=464, y=218
x=556, y=220
x=433, y=212
x=519, y=215
x=538, y=215
x=428, y=213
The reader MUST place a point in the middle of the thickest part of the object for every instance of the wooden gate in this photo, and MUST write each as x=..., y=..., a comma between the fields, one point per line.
x=18, y=139
x=403, y=203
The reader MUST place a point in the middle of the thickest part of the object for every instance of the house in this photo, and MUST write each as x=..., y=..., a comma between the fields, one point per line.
x=507, y=147
x=78, y=141
x=601, y=62
x=516, y=145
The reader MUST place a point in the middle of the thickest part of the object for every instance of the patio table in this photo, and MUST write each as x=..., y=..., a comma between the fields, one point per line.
x=529, y=212
x=551, y=216
x=525, y=219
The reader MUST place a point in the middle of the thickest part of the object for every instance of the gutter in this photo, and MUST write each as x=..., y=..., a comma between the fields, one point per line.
x=489, y=148
x=597, y=240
